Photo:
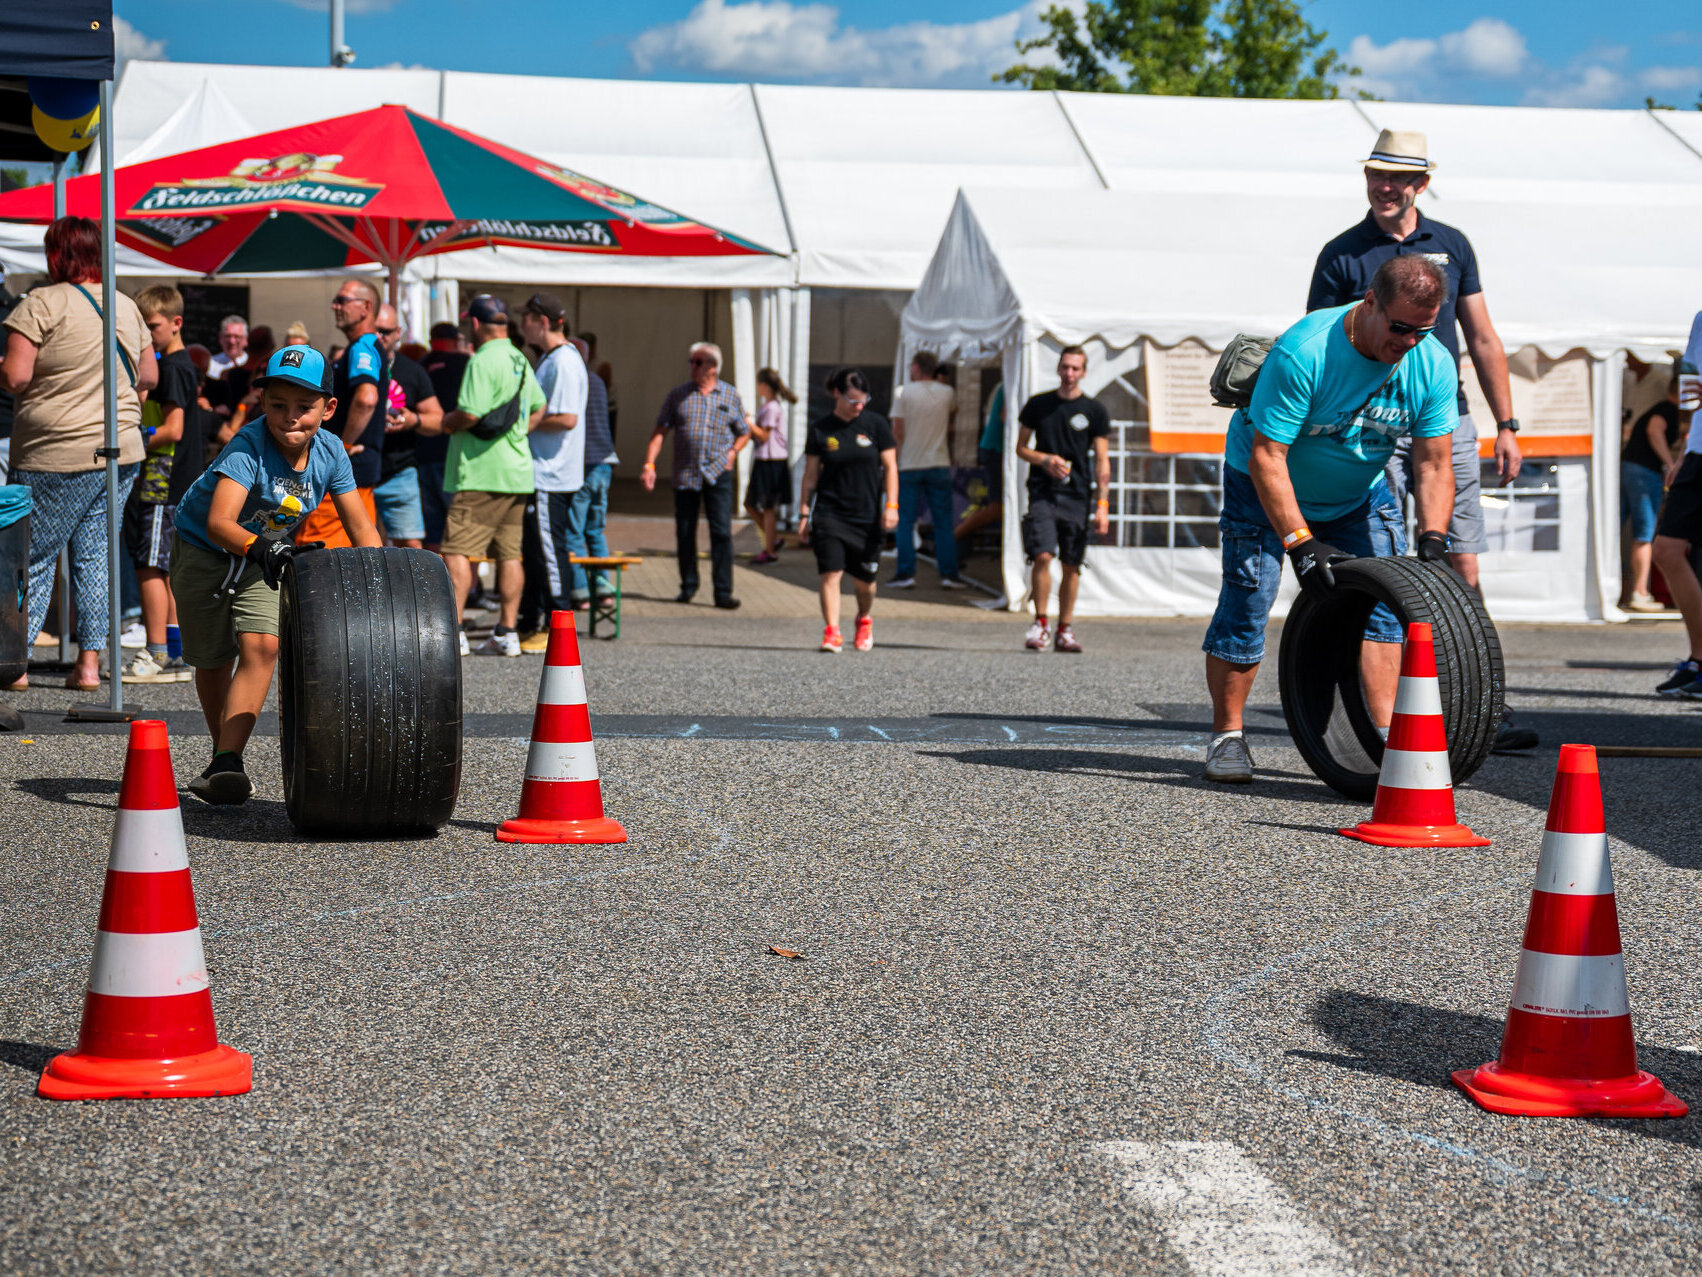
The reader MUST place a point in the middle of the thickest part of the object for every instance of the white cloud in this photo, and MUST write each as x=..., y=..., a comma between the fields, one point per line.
x=1670, y=79
x=1488, y=46
x=1591, y=86
x=1387, y=70
x=127, y=42
x=777, y=39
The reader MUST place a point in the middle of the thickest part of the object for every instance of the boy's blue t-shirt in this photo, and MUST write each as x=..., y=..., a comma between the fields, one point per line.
x=279, y=496
x=1308, y=391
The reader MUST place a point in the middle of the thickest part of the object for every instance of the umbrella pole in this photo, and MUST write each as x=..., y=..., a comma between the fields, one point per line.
x=65, y=657
x=109, y=370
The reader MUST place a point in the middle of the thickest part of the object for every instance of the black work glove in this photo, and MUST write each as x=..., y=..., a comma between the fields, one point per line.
x=1433, y=547
x=274, y=556
x=1312, y=559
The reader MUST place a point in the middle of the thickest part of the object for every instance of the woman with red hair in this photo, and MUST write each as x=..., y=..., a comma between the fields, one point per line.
x=53, y=367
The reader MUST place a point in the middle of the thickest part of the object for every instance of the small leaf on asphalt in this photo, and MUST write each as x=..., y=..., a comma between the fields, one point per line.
x=786, y=953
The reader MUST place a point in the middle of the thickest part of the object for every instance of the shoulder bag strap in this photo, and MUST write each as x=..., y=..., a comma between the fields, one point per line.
x=129, y=368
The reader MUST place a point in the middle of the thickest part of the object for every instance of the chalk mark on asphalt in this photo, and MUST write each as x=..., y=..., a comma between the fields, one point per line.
x=1219, y=1027
x=1223, y=1215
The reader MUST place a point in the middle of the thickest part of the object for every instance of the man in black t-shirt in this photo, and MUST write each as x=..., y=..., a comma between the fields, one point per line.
x=1059, y=432
x=411, y=411
x=849, y=501
x=445, y=363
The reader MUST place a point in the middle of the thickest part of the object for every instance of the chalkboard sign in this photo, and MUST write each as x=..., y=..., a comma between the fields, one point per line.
x=204, y=308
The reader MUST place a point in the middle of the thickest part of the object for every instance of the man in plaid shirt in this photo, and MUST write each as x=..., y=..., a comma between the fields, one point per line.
x=708, y=421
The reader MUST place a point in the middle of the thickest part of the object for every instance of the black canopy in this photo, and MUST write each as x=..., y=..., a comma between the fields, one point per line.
x=69, y=38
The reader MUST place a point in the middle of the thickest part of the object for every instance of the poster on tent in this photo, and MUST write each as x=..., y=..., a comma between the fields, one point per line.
x=1552, y=398
x=1180, y=410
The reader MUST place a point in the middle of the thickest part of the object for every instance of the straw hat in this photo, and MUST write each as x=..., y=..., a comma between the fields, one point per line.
x=1398, y=152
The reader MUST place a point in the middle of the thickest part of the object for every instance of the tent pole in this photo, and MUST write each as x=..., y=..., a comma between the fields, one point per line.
x=65, y=657
x=109, y=370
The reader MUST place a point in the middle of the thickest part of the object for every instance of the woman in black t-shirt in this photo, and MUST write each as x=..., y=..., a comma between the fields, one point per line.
x=1646, y=464
x=849, y=501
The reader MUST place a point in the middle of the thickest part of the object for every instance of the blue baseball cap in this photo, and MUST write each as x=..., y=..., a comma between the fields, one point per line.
x=300, y=365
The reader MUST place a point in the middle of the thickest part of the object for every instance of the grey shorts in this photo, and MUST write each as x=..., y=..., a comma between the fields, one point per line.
x=1465, y=530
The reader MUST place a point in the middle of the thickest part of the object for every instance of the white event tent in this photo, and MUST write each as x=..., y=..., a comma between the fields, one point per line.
x=1582, y=219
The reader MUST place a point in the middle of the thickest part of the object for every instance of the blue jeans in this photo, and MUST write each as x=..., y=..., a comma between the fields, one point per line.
x=1252, y=564
x=399, y=509
x=1640, y=493
x=70, y=509
x=934, y=484
x=588, y=515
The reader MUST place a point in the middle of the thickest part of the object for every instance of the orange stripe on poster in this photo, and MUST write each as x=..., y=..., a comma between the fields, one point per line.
x=1188, y=441
x=1542, y=445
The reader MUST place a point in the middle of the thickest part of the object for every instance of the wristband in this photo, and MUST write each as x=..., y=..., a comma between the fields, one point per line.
x=1103, y=504
x=892, y=505
x=249, y=544
x=649, y=465
x=1296, y=537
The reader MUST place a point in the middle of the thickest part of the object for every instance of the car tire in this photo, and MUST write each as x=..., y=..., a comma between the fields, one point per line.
x=369, y=692
x=1318, y=668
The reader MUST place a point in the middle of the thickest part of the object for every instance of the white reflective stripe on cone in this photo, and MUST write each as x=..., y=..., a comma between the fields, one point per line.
x=1415, y=769
x=1418, y=697
x=1565, y=984
x=1574, y=865
x=161, y=965
x=562, y=685
x=148, y=842
x=561, y=760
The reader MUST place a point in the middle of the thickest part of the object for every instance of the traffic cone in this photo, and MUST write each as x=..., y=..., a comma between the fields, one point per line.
x=148, y=1014
x=562, y=799
x=1567, y=1050
x=1414, y=806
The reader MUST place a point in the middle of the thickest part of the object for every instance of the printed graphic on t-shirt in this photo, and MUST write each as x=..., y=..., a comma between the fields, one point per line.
x=279, y=508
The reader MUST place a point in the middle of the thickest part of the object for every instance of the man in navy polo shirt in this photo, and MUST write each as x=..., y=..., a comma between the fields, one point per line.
x=1396, y=172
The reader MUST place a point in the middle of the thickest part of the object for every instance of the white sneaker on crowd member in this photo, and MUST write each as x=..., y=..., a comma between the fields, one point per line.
x=1065, y=640
x=499, y=645
x=1646, y=603
x=1229, y=761
x=134, y=636
x=1039, y=637
x=466, y=648
x=143, y=668
x=953, y=583
x=901, y=583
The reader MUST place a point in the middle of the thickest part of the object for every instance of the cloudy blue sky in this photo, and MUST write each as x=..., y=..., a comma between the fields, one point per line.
x=1504, y=52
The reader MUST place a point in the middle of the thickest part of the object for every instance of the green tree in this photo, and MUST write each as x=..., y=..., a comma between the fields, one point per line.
x=1189, y=48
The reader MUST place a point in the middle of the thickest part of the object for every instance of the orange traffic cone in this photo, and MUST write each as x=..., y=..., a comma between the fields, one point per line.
x=562, y=799
x=1414, y=806
x=148, y=1014
x=1567, y=1050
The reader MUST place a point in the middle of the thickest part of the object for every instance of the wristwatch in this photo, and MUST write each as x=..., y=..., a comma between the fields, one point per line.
x=1512, y=423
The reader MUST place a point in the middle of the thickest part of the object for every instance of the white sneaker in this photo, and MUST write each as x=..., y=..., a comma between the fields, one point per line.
x=179, y=669
x=135, y=636
x=953, y=583
x=1230, y=762
x=143, y=668
x=901, y=583
x=499, y=645
x=1039, y=637
x=466, y=650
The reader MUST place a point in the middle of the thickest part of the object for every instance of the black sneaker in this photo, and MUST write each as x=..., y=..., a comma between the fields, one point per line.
x=1685, y=680
x=1511, y=738
x=224, y=783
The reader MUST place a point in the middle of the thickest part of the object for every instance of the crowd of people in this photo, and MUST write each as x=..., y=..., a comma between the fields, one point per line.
x=496, y=444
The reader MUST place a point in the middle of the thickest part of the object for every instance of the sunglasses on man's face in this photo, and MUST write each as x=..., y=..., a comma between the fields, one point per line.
x=388, y=332
x=703, y=363
x=1407, y=330
x=346, y=301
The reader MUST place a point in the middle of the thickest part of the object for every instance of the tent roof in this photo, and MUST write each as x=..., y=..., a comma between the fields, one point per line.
x=859, y=182
x=1173, y=265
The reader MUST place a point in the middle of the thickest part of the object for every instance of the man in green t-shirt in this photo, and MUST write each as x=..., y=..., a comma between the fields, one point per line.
x=488, y=474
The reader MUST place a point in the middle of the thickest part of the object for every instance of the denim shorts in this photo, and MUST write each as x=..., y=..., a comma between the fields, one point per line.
x=399, y=509
x=1640, y=493
x=1253, y=557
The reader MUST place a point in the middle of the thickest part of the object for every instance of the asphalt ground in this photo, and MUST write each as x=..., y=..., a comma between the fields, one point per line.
x=1028, y=931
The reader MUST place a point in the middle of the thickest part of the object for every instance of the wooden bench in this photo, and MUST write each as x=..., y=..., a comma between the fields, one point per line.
x=615, y=564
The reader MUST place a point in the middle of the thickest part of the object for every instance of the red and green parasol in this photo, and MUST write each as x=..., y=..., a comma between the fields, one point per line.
x=386, y=185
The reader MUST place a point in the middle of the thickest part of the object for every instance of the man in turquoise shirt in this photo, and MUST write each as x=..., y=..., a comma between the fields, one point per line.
x=1303, y=475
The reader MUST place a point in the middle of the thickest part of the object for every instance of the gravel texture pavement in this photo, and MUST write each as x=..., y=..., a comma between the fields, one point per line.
x=473, y=1057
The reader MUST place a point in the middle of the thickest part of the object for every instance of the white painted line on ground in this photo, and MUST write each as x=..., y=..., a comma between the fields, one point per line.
x=1221, y=1214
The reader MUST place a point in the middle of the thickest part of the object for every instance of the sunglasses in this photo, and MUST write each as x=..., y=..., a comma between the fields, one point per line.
x=388, y=332
x=1407, y=330
x=346, y=301
x=703, y=363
